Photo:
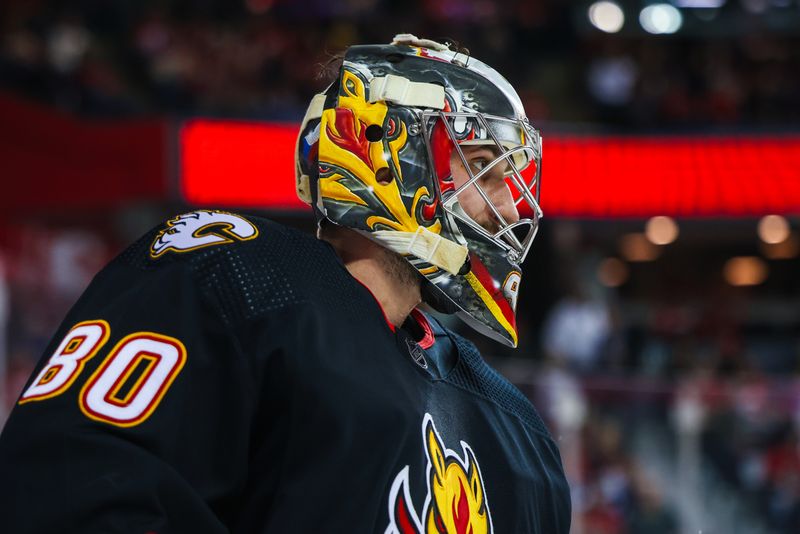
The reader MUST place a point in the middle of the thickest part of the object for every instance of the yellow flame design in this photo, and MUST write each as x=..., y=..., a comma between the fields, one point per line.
x=458, y=497
x=342, y=144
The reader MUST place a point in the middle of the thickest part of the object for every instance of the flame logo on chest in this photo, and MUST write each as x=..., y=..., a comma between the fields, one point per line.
x=456, y=501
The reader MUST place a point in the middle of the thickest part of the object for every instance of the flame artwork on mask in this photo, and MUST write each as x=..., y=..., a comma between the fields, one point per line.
x=456, y=501
x=350, y=163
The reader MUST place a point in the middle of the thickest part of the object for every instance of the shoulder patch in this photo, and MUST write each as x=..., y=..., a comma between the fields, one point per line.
x=200, y=229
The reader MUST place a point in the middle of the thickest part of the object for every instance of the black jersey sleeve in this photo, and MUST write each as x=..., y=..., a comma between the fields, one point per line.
x=138, y=416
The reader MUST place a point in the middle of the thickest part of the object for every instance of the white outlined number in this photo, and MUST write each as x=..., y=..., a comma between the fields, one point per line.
x=128, y=385
x=78, y=346
x=132, y=380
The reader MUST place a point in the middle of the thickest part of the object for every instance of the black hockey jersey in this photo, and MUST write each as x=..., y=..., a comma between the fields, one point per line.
x=227, y=374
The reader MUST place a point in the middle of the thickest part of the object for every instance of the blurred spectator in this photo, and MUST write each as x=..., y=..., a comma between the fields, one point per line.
x=74, y=257
x=576, y=331
x=782, y=470
x=651, y=514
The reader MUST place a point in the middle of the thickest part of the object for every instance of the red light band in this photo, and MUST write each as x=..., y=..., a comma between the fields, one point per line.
x=230, y=164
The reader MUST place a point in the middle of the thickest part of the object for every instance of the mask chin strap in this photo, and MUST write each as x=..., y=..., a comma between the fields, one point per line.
x=428, y=246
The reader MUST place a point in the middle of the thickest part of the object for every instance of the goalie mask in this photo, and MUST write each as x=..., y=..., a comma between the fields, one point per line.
x=428, y=152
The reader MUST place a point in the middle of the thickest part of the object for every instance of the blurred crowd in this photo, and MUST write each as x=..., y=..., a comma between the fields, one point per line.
x=263, y=58
x=689, y=365
x=752, y=436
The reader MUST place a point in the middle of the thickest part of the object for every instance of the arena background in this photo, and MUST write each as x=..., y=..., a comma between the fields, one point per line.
x=660, y=306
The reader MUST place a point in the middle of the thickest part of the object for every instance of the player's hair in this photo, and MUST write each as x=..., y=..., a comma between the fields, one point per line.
x=329, y=69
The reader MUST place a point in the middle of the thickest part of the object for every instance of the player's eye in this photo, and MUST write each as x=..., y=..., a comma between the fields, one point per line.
x=479, y=164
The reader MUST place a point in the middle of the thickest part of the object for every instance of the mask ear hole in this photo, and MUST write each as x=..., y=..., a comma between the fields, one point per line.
x=384, y=176
x=374, y=133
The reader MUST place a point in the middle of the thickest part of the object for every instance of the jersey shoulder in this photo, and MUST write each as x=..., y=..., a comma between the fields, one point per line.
x=246, y=264
x=475, y=375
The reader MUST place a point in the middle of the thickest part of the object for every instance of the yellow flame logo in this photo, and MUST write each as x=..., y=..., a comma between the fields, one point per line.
x=456, y=501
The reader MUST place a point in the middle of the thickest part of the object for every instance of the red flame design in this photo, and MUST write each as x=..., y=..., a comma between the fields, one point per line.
x=441, y=148
x=460, y=511
x=403, y=516
x=429, y=211
x=347, y=138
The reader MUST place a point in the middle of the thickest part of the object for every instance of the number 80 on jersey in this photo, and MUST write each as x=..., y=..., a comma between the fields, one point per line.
x=127, y=386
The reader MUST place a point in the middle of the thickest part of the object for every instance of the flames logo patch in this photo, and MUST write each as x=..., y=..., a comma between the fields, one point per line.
x=456, y=501
x=199, y=229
